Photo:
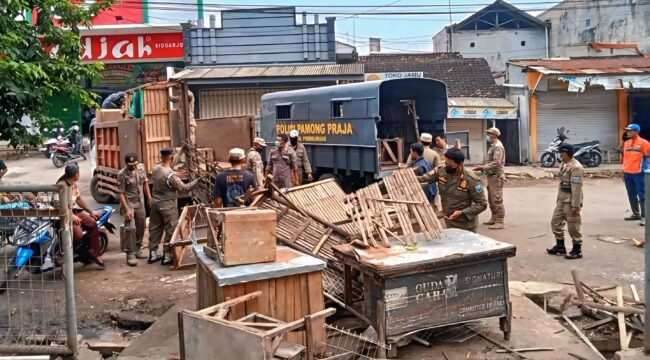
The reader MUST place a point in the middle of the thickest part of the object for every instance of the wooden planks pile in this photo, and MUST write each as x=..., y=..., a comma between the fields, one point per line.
x=401, y=208
x=325, y=199
x=201, y=167
x=627, y=313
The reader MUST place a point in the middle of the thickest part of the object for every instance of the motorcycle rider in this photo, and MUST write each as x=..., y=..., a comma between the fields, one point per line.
x=75, y=138
x=83, y=219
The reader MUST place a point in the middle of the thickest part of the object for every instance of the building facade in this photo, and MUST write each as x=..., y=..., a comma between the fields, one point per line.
x=575, y=26
x=593, y=98
x=497, y=33
x=475, y=101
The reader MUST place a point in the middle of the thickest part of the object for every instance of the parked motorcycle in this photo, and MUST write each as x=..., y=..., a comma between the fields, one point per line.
x=34, y=236
x=588, y=154
x=58, y=138
x=62, y=154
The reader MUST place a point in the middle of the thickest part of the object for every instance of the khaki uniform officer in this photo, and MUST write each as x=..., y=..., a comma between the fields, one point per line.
x=463, y=198
x=496, y=160
x=569, y=203
x=134, y=191
x=301, y=156
x=429, y=155
x=254, y=162
x=282, y=163
x=164, y=210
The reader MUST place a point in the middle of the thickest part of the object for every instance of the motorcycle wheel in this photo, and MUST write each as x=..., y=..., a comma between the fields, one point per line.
x=596, y=159
x=58, y=162
x=9, y=273
x=103, y=242
x=547, y=160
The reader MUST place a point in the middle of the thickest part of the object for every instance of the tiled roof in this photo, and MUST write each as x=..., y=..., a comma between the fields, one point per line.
x=229, y=72
x=589, y=66
x=464, y=77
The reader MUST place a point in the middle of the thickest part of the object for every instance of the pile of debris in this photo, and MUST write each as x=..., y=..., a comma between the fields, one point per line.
x=626, y=313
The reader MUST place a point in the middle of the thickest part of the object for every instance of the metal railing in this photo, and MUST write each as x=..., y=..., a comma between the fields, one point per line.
x=37, y=307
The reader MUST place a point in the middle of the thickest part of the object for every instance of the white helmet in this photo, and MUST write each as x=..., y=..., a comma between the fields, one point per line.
x=294, y=133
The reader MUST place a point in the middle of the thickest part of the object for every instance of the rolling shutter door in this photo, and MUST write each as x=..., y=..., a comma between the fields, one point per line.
x=592, y=115
x=233, y=102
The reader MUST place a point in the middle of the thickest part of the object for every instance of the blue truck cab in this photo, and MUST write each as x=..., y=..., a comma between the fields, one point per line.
x=357, y=132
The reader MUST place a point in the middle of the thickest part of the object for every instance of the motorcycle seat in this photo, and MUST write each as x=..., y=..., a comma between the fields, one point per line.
x=589, y=143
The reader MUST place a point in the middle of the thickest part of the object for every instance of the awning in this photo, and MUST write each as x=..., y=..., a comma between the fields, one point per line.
x=480, y=108
x=226, y=74
x=609, y=82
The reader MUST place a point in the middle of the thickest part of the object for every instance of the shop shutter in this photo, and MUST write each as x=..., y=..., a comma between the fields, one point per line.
x=64, y=109
x=592, y=115
x=233, y=102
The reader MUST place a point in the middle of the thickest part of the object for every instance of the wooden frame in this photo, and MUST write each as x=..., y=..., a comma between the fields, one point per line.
x=253, y=336
x=182, y=238
x=391, y=151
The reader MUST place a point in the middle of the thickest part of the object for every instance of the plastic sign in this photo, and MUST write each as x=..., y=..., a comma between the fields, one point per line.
x=127, y=48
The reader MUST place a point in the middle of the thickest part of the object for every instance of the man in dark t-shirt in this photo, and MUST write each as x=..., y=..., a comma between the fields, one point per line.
x=233, y=183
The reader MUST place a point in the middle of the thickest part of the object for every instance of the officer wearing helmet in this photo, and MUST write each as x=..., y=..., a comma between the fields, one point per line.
x=569, y=204
x=301, y=156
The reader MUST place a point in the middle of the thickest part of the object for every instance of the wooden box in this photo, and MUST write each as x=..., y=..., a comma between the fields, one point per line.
x=241, y=236
x=291, y=286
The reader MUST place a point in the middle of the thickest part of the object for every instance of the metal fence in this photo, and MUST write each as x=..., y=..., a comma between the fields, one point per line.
x=37, y=309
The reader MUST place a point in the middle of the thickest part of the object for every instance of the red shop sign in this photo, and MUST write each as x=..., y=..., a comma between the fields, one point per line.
x=132, y=47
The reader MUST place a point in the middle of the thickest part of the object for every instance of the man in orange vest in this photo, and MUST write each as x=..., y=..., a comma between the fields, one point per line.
x=635, y=162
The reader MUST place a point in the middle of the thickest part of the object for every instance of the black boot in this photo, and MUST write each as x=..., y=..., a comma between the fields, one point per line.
x=167, y=258
x=153, y=257
x=558, y=249
x=576, y=252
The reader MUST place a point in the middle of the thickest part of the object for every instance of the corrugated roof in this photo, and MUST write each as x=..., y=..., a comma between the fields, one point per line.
x=270, y=71
x=588, y=66
x=479, y=102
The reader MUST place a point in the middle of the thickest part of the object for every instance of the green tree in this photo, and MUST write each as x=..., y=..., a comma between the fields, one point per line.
x=40, y=59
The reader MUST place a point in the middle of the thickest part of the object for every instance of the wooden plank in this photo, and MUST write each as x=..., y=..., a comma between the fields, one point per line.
x=598, y=323
x=583, y=337
x=251, y=306
x=263, y=301
x=621, y=318
x=576, y=282
x=635, y=294
x=273, y=302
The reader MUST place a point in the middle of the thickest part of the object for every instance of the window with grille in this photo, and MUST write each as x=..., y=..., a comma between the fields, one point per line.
x=283, y=112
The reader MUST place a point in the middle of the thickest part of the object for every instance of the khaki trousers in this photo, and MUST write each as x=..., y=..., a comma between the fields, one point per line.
x=131, y=239
x=563, y=215
x=495, y=198
x=162, y=219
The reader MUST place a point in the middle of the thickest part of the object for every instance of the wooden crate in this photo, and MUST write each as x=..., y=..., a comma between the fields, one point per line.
x=292, y=286
x=242, y=236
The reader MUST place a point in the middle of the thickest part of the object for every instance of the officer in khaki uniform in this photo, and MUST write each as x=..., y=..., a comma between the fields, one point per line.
x=496, y=160
x=429, y=154
x=164, y=210
x=254, y=162
x=282, y=163
x=301, y=156
x=134, y=190
x=463, y=198
x=569, y=204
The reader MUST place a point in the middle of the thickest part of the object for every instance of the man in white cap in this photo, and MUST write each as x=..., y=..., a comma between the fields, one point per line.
x=234, y=182
x=301, y=156
x=429, y=154
x=254, y=162
x=496, y=160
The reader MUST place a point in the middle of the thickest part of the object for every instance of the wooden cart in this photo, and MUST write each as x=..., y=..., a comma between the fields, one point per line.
x=460, y=278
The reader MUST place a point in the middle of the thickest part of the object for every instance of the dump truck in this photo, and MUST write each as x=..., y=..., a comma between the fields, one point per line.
x=357, y=133
x=149, y=122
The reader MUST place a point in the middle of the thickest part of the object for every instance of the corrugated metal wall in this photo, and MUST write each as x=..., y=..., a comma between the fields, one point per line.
x=233, y=102
x=592, y=115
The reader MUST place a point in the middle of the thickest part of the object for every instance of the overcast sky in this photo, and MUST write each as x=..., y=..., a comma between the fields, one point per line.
x=398, y=32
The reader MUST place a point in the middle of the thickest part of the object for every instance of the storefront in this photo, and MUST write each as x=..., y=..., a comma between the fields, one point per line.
x=594, y=99
x=132, y=55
